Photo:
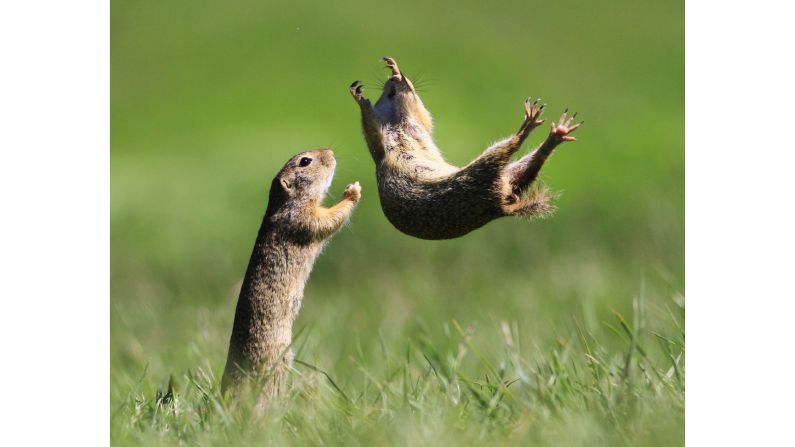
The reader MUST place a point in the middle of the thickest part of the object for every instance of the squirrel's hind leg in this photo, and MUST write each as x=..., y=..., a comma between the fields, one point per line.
x=523, y=172
x=498, y=154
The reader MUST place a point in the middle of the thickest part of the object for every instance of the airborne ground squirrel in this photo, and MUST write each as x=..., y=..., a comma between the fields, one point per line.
x=424, y=196
x=293, y=232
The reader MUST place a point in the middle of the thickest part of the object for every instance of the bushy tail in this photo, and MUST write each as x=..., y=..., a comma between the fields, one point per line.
x=537, y=204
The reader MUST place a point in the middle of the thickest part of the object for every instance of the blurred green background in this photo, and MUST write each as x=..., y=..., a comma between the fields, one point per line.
x=209, y=99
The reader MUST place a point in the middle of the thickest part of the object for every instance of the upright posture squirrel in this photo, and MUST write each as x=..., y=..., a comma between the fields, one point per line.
x=293, y=232
x=424, y=196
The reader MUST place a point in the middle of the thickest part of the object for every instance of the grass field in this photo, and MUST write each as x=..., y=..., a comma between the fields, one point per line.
x=567, y=331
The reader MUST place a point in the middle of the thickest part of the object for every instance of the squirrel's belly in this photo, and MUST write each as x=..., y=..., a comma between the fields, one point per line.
x=435, y=210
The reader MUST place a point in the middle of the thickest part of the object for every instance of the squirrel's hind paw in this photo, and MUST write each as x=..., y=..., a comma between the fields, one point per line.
x=562, y=130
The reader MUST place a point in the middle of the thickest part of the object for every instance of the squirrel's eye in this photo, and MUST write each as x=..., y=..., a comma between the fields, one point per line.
x=304, y=162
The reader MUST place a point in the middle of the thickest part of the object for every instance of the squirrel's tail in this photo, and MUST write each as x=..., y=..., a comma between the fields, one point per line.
x=537, y=204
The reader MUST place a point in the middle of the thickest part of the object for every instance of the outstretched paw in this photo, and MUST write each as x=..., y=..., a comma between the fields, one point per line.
x=392, y=65
x=532, y=112
x=562, y=130
x=353, y=192
x=356, y=91
x=532, y=116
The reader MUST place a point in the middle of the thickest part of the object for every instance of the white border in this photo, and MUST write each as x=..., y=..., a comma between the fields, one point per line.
x=54, y=197
x=739, y=231
x=54, y=241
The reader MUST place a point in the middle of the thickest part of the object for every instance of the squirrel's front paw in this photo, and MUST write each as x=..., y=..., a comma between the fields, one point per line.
x=563, y=128
x=356, y=92
x=392, y=65
x=353, y=192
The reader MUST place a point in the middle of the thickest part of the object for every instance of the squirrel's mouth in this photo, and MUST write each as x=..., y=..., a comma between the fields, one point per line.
x=394, y=86
x=390, y=89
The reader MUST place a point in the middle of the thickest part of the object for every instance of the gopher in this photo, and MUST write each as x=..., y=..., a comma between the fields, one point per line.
x=293, y=232
x=424, y=196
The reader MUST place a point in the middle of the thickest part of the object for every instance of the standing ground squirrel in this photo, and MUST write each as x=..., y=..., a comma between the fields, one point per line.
x=293, y=232
x=424, y=196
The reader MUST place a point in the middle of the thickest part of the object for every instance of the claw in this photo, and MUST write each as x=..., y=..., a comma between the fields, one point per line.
x=533, y=111
x=563, y=117
x=571, y=118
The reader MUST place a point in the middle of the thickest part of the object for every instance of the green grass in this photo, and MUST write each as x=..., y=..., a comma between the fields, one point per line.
x=441, y=387
x=567, y=331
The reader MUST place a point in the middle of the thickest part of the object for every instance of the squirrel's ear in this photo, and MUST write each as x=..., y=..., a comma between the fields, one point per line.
x=285, y=184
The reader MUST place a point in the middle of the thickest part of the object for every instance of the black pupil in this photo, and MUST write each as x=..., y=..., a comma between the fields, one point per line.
x=304, y=162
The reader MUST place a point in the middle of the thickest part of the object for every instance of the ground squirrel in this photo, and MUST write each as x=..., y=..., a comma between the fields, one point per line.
x=424, y=196
x=293, y=232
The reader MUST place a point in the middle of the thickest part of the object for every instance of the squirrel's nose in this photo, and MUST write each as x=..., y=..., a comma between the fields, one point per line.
x=328, y=157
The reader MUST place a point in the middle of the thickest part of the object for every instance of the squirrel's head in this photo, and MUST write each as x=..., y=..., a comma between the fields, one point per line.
x=401, y=99
x=306, y=177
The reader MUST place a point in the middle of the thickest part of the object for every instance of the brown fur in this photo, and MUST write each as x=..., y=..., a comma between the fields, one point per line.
x=424, y=196
x=293, y=232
